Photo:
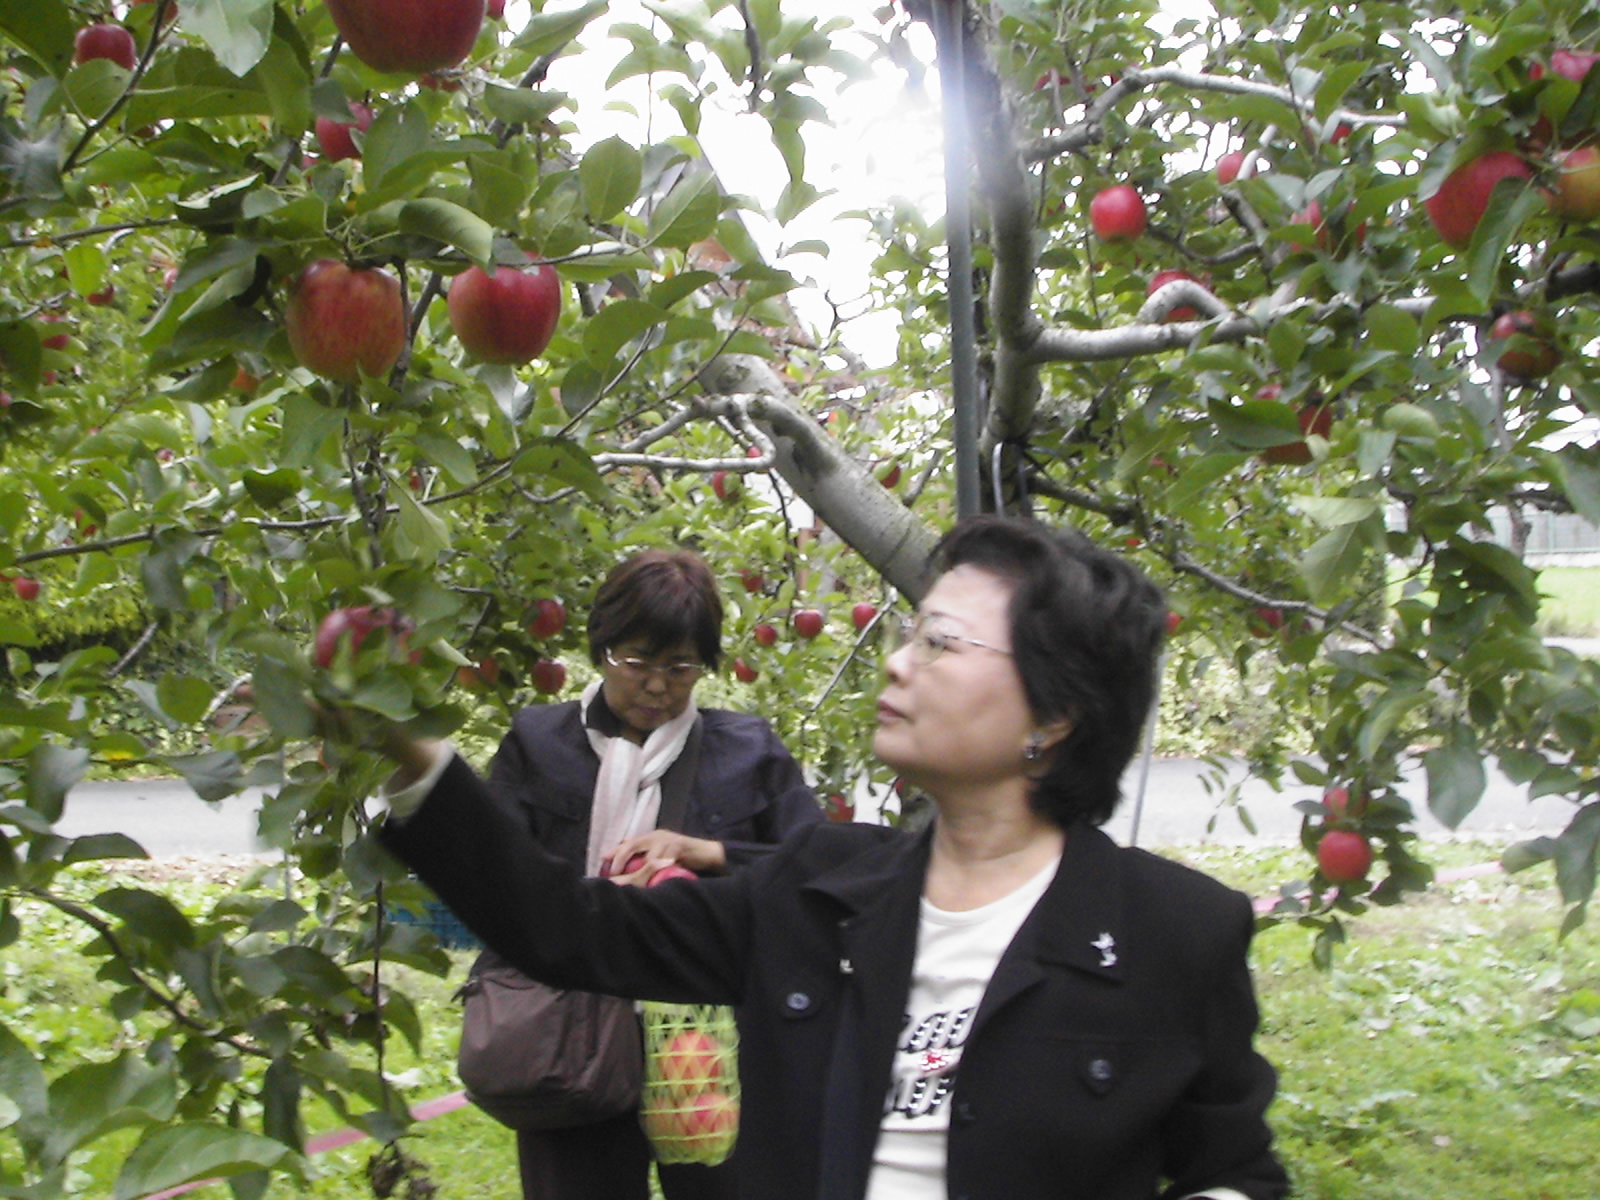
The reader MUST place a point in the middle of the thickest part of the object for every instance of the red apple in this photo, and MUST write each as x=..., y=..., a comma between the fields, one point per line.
x=1530, y=354
x=103, y=297
x=1343, y=856
x=1173, y=621
x=495, y=9
x=752, y=581
x=670, y=872
x=1229, y=166
x=1264, y=622
x=355, y=623
x=727, y=486
x=481, y=677
x=408, y=36
x=1577, y=190
x=1160, y=279
x=1117, y=214
x=25, y=588
x=344, y=320
x=861, y=614
x=56, y=341
x=549, y=618
x=765, y=635
x=744, y=672
x=890, y=476
x=1459, y=204
x=808, y=622
x=1313, y=418
x=105, y=41
x=836, y=808
x=509, y=317
x=336, y=139
x=1572, y=64
x=243, y=381
x=690, y=1062
x=635, y=861
x=1311, y=215
x=549, y=676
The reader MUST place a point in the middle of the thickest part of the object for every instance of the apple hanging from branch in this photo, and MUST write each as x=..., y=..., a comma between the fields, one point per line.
x=1118, y=214
x=1459, y=204
x=336, y=139
x=409, y=37
x=507, y=317
x=107, y=41
x=343, y=320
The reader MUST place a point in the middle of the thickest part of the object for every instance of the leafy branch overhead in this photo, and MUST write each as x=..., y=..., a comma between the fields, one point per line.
x=315, y=319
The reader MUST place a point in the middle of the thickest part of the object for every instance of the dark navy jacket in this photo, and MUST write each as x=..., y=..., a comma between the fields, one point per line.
x=1088, y=1075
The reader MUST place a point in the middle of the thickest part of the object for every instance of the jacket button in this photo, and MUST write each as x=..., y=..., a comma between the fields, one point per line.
x=1100, y=1070
x=964, y=1112
x=797, y=1001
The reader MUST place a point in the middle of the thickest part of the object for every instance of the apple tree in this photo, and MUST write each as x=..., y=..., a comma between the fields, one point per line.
x=280, y=346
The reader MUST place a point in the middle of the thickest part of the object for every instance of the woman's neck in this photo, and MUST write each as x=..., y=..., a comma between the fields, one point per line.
x=986, y=848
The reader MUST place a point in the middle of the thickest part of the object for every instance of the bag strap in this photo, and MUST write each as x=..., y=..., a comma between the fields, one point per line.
x=678, y=782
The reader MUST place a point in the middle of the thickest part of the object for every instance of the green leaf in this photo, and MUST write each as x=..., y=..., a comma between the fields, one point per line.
x=52, y=771
x=94, y=847
x=183, y=697
x=1577, y=470
x=1394, y=329
x=617, y=324
x=1335, y=84
x=519, y=106
x=179, y=1154
x=1333, y=511
x=272, y=488
x=451, y=224
x=398, y=134
x=1512, y=203
x=1456, y=779
x=148, y=916
x=1333, y=561
x=673, y=288
x=21, y=1077
x=306, y=426
x=545, y=33
x=213, y=776
x=45, y=31
x=237, y=31
x=95, y=1099
x=450, y=455
x=689, y=211
x=610, y=174
x=558, y=463
x=1574, y=855
x=420, y=535
x=1256, y=424
x=1383, y=718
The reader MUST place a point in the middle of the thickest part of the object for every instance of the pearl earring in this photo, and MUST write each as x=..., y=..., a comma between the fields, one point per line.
x=1033, y=747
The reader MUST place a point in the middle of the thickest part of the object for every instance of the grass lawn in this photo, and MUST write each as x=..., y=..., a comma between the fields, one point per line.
x=1571, y=607
x=1452, y=1053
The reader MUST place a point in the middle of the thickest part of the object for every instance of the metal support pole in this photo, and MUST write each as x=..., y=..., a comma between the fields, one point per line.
x=949, y=33
x=1149, y=750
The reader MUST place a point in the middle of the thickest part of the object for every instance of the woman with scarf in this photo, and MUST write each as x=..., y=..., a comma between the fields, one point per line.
x=635, y=767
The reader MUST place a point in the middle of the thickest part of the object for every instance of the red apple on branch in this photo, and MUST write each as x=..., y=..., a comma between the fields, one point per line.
x=345, y=320
x=1160, y=279
x=549, y=618
x=744, y=672
x=765, y=634
x=408, y=36
x=1577, y=191
x=1229, y=166
x=509, y=317
x=54, y=341
x=861, y=614
x=808, y=622
x=726, y=485
x=354, y=624
x=752, y=581
x=1459, y=204
x=1572, y=64
x=1343, y=856
x=1265, y=621
x=336, y=139
x=890, y=475
x=1313, y=418
x=105, y=41
x=25, y=588
x=1530, y=353
x=549, y=676
x=1117, y=214
x=1173, y=621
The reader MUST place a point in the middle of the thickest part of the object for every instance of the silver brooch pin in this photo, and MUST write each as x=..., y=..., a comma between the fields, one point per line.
x=1106, y=944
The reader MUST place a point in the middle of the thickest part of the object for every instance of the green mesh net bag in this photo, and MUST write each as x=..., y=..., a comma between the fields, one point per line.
x=690, y=1102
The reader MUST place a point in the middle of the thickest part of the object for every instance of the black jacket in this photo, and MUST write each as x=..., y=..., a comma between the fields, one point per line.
x=1083, y=1078
x=747, y=791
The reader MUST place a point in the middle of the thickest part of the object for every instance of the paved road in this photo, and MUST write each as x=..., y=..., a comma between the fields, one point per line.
x=167, y=819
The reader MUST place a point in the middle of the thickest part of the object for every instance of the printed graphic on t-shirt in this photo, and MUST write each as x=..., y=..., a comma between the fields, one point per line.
x=925, y=1070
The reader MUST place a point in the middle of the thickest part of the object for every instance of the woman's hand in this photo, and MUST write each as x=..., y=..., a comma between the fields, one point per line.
x=662, y=847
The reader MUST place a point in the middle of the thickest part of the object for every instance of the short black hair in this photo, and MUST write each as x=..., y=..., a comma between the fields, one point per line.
x=1086, y=632
x=662, y=596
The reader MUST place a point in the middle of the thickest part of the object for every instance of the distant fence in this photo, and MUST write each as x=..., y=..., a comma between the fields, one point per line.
x=1554, y=539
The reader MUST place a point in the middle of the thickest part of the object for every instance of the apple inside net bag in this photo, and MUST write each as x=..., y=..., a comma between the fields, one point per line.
x=689, y=1105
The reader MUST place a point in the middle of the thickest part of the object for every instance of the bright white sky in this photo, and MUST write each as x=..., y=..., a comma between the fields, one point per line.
x=887, y=144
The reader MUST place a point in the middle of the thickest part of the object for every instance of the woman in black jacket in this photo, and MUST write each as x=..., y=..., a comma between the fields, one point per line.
x=1006, y=1006
x=635, y=764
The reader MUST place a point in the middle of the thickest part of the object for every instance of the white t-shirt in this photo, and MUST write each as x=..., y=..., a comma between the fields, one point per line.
x=957, y=953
